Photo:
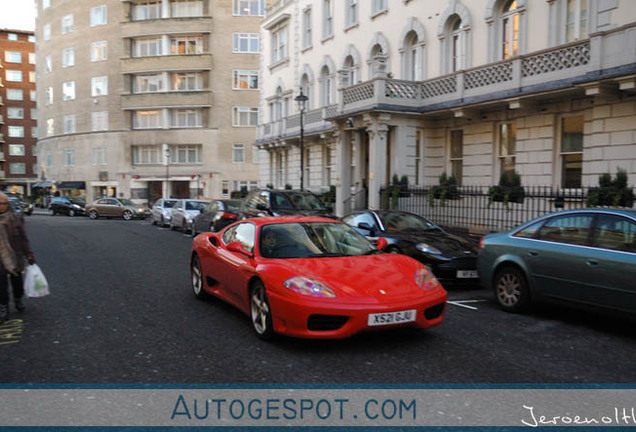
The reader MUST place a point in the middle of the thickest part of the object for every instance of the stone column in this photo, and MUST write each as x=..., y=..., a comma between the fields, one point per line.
x=377, y=128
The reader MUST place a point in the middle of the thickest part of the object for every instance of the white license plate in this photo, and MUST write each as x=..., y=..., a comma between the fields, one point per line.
x=467, y=274
x=389, y=318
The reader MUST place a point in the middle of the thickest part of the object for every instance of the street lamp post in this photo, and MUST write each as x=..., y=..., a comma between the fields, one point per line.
x=301, y=99
x=167, y=172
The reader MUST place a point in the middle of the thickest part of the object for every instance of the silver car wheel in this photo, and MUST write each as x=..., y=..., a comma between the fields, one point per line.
x=127, y=215
x=509, y=289
x=260, y=312
x=196, y=275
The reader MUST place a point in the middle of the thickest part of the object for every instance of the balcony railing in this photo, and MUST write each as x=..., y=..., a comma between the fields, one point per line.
x=290, y=126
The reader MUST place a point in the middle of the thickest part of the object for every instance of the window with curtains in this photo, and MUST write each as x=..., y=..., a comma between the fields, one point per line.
x=187, y=118
x=146, y=10
x=571, y=151
x=99, y=120
x=147, y=119
x=99, y=51
x=186, y=81
x=150, y=83
x=245, y=80
x=181, y=45
x=186, y=8
x=509, y=24
x=507, y=151
x=146, y=47
x=246, y=43
x=279, y=45
x=99, y=15
x=576, y=20
x=244, y=116
x=249, y=7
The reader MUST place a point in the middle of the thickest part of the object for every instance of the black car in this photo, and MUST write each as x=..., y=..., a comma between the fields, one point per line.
x=215, y=216
x=452, y=259
x=273, y=202
x=67, y=206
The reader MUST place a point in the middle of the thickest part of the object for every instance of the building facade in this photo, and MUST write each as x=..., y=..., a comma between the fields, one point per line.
x=471, y=88
x=148, y=98
x=18, y=111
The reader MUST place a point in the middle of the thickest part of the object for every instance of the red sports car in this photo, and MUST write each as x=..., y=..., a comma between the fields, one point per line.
x=313, y=277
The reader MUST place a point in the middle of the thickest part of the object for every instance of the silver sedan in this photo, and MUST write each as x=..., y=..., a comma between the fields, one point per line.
x=184, y=211
x=161, y=211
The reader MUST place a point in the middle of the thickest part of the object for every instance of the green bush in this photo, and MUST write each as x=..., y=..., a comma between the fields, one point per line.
x=611, y=193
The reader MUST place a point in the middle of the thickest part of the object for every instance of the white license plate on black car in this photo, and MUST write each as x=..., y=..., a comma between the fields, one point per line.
x=389, y=318
x=467, y=274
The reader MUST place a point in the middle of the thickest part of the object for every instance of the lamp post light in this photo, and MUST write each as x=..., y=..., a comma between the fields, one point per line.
x=167, y=172
x=301, y=99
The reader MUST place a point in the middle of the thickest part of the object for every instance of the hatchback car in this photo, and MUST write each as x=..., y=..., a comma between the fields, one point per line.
x=452, y=259
x=183, y=211
x=313, y=277
x=161, y=211
x=67, y=206
x=586, y=256
x=215, y=216
x=271, y=202
x=116, y=207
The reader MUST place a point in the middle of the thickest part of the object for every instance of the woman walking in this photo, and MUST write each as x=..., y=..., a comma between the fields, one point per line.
x=14, y=248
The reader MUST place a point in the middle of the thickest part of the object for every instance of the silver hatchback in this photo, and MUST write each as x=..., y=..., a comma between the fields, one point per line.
x=184, y=211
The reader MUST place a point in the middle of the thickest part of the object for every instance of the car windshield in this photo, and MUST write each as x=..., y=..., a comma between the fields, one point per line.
x=78, y=201
x=195, y=205
x=126, y=202
x=169, y=204
x=232, y=206
x=405, y=221
x=312, y=240
x=297, y=201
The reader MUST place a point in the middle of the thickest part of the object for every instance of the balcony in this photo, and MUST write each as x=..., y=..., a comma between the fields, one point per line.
x=168, y=62
x=194, y=25
x=166, y=99
x=290, y=126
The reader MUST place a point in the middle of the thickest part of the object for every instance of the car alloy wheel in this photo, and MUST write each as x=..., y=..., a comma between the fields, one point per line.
x=93, y=214
x=261, y=312
x=71, y=212
x=127, y=215
x=511, y=290
x=196, y=276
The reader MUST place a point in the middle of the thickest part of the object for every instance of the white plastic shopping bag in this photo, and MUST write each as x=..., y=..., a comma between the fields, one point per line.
x=35, y=284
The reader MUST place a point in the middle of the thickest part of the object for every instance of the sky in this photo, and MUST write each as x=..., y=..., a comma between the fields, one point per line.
x=17, y=14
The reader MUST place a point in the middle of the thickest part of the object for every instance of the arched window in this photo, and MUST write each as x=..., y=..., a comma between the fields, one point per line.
x=576, y=20
x=457, y=39
x=350, y=70
x=326, y=86
x=277, y=106
x=413, y=57
x=509, y=24
x=305, y=87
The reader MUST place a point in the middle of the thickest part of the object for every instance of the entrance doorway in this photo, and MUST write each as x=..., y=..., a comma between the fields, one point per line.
x=154, y=191
x=180, y=189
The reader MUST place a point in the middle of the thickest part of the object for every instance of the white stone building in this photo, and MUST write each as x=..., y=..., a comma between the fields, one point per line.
x=472, y=88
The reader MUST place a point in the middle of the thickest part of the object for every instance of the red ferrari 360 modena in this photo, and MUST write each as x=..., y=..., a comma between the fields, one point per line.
x=313, y=277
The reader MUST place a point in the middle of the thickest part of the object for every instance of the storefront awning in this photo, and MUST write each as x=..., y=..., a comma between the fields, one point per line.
x=72, y=185
x=42, y=184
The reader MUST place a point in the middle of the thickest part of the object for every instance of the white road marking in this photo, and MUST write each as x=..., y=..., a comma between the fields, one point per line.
x=461, y=303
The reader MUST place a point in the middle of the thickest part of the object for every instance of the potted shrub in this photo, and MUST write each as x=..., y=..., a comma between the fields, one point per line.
x=508, y=190
x=447, y=189
x=614, y=193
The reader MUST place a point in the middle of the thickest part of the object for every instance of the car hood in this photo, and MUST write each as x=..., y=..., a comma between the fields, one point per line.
x=372, y=279
x=449, y=244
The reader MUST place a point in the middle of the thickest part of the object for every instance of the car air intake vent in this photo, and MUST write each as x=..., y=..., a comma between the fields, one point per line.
x=326, y=322
x=434, y=311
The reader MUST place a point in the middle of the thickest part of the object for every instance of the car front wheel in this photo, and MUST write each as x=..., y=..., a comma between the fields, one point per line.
x=93, y=214
x=261, y=312
x=127, y=215
x=511, y=290
x=71, y=212
x=52, y=212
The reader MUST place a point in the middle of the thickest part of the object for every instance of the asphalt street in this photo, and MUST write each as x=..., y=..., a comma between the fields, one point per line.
x=121, y=311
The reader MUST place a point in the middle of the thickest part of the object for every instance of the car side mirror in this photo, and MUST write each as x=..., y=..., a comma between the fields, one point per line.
x=382, y=243
x=262, y=206
x=238, y=248
x=367, y=227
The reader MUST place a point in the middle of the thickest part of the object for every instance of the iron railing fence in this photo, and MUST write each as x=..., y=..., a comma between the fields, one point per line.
x=472, y=208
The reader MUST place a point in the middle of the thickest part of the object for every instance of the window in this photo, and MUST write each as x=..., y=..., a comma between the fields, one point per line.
x=69, y=157
x=32, y=76
x=246, y=43
x=185, y=154
x=419, y=165
x=13, y=75
x=457, y=154
x=238, y=153
x=35, y=133
x=245, y=116
x=571, y=229
x=13, y=57
x=326, y=86
x=186, y=81
x=147, y=47
x=17, y=150
x=50, y=127
x=69, y=124
x=307, y=42
x=99, y=86
x=186, y=45
x=68, y=90
x=34, y=113
x=12, y=36
x=507, y=149
x=458, y=44
x=31, y=58
x=243, y=233
x=17, y=168
x=245, y=80
x=67, y=23
x=16, y=131
x=571, y=151
x=187, y=118
x=279, y=45
x=48, y=96
x=99, y=156
x=15, y=113
x=186, y=8
x=68, y=57
x=351, y=13
x=46, y=32
x=31, y=39
x=147, y=83
x=99, y=51
x=98, y=16
x=48, y=64
x=378, y=6
x=46, y=4
x=327, y=19
x=249, y=7
x=146, y=10
x=15, y=94
x=327, y=163
x=576, y=20
x=147, y=155
x=99, y=120
x=615, y=233
x=34, y=95
x=349, y=72
x=509, y=30
x=147, y=119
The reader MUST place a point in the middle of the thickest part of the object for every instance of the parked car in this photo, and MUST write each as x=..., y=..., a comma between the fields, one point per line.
x=161, y=211
x=586, y=256
x=271, y=202
x=16, y=205
x=116, y=207
x=183, y=212
x=215, y=216
x=452, y=259
x=313, y=277
x=67, y=206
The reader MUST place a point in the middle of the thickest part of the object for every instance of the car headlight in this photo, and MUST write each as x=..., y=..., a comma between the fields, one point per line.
x=426, y=248
x=306, y=286
x=424, y=279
